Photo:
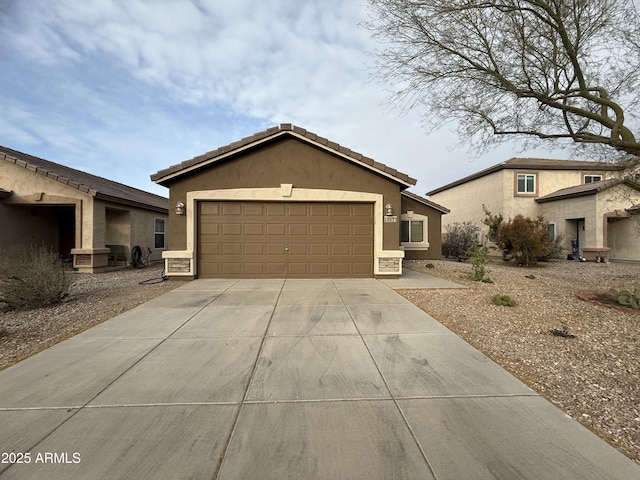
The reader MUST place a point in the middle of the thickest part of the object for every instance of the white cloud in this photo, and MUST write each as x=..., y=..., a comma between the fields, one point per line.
x=115, y=83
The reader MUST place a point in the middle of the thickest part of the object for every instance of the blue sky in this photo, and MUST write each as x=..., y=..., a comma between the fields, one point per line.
x=124, y=88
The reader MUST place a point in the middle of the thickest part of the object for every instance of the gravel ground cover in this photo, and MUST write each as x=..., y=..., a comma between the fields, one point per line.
x=591, y=372
x=594, y=377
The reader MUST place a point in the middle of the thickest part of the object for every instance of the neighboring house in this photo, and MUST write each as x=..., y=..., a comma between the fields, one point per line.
x=87, y=219
x=585, y=201
x=288, y=203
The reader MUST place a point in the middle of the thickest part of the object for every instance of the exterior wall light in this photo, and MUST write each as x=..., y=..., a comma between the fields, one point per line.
x=180, y=208
x=388, y=210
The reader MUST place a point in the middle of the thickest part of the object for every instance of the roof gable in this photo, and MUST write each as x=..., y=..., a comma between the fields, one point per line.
x=425, y=201
x=166, y=176
x=85, y=182
x=531, y=164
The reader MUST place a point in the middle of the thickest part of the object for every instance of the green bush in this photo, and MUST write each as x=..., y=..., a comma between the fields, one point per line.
x=429, y=265
x=524, y=239
x=32, y=277
x=503, y=300
x=479, y=259
x=459, y=239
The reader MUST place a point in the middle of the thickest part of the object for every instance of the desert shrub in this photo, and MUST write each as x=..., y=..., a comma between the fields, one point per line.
x=503, y=300
x=479, y=260
x=493, y=222
x=429, y=265
x=524, y=239
x=32, y=277
x=459, y=239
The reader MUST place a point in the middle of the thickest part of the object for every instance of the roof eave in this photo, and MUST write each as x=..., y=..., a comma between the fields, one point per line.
x=130, y=203
x=164, y=177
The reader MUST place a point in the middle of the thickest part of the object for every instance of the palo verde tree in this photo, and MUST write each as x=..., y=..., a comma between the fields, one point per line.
x=542, y=69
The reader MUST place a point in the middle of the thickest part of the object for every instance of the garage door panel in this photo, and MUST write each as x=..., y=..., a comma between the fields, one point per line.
x=276, y=209
x=340, y=210
x=276, y=229
x=276, y=268
x=341, y=230
x=253, y=209
x=210, y=228
x=254, y=249
x=297, y=229
x=319, y=210
x=231, y=249
x=362, y=210
x=231, y=229
x=362, y=230
x=271, y=239
x=254, y=268
x=254, y=229
x=319, y=249
x=319, y=230
x=231, y=208
x=210, y=208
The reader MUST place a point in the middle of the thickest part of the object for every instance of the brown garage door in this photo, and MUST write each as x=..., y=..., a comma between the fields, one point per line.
x=279, y=239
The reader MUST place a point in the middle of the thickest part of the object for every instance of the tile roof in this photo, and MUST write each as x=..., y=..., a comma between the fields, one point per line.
x=85, y=182
x=425, y=201
x=531, y=164
x=163, y=177
x=585, y=189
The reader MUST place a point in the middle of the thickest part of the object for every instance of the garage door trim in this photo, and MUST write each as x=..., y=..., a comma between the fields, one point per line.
x=286, y=193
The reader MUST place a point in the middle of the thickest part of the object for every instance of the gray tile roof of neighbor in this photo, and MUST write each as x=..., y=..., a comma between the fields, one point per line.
x=585, y=189
x=531, y=164
x=163, y=177
x=93, y=185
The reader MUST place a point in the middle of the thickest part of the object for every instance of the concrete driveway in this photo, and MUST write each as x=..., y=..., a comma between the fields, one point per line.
x=274, y=379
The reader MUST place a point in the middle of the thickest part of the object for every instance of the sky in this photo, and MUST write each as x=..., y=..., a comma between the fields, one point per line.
x=124, y=88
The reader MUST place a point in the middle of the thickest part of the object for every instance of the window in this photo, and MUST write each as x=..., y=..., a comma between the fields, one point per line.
x=592, y=178
x=552, y=231
x=526, y=183
x=159, y=233
x=413, y=231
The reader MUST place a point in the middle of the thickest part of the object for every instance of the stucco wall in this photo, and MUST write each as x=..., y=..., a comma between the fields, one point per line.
x=30, y=188
x=623, y=237
x=497, y=192
x=434, y=230
x=465, y=201
x=286, y=161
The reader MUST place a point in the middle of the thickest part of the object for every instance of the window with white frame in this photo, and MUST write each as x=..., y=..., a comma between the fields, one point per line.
x=160, y=233
x=526, y=183
x=414, y=231
x=592, y=178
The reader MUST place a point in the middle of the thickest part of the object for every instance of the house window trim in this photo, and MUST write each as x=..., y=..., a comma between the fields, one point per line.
x=516, y=193
x=553, y=228
x=411, y=216
x=163, y=233
x=585, y=175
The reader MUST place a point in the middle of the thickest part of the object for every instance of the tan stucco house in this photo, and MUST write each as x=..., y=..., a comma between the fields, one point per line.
x=87, y=219
x=585, y=201
x=286, y=202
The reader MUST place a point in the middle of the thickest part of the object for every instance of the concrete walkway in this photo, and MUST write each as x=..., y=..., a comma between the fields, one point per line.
x=275, y=379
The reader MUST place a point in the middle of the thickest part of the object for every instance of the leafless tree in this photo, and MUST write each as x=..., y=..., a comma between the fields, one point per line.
x=541, y=69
